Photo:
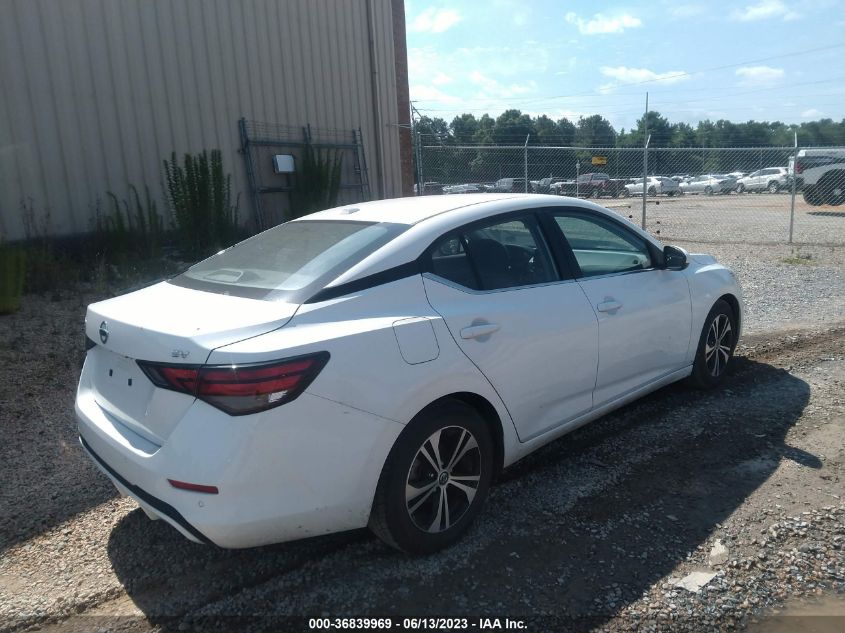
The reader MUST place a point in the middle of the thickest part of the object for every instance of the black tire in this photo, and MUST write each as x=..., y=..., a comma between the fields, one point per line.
x=594, y=192
x=773, y=187
x=703, y=375
x=832, y=186
x=394, y=518
x=708, y=190
x=812, y=196
x=740, y=188
x=624, y=192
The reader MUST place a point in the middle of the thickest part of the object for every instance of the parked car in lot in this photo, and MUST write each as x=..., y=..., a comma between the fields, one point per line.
x=820, y=174
x=429, y=189
x=771, y=179
x=592, y=185
x=709, y=184
x=656, y=185
x=511, y=185
x=464, y=188
x=379, y=364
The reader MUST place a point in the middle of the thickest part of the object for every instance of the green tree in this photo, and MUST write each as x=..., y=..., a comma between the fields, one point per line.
x=464, y=129
x=512, y=126
x=595, y=131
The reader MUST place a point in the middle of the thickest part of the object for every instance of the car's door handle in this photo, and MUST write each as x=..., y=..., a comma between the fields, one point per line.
x=608, y=306
x=482, y=329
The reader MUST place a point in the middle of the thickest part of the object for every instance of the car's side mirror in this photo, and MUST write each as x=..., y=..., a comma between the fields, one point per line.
x=674, y=258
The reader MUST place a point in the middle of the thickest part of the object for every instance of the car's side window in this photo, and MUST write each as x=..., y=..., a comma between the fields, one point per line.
x=508, y=254
x=602, y=247
x=501, y=255
x=449, y=260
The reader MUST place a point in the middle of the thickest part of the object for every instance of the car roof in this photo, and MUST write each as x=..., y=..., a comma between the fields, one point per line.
x=409, y=210
x=430, y=217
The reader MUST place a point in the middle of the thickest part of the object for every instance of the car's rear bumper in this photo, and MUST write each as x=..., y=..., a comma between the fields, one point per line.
x=308, y=468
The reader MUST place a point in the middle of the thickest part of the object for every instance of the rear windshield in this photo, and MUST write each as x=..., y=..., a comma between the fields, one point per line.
x=290, y=262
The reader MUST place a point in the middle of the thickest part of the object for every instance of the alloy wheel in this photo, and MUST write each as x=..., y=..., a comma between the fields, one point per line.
x=718, y=346
x=443, y=479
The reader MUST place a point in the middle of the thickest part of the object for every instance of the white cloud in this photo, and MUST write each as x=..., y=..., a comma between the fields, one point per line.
x=423, y=92
x=812, y=113
x=624, y=75
x=441, y=79
x=757, y=75
x=601, y=24
x=686, y=10
x=434, y=20
x=490, y=88
x=764, y=10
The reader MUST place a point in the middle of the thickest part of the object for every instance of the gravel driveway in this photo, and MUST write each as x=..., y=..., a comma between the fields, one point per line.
x=592, y=531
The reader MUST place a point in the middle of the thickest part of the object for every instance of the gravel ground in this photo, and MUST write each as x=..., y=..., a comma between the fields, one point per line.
x=754, y=218
x=591, y=532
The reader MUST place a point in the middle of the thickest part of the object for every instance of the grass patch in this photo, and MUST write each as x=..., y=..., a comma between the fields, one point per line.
x=798, y=259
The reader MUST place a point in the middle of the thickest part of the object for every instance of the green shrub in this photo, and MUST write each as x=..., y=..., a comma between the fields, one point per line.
x=199, y=196
x=317, y=182
x=12, y=277
x=132, y=227
x=47, y=268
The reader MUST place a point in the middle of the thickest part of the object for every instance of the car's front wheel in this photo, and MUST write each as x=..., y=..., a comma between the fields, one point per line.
x=740, y=188
x=715, y=346
x=435, y=480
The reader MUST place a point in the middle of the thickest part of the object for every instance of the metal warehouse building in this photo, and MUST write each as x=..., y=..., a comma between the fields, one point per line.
x=94, y=94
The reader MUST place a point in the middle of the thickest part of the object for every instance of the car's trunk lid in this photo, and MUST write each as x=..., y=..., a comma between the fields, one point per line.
x=165, y=324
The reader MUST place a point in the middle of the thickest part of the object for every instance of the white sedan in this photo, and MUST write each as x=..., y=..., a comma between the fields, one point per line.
x=380, y=364
x=656, y=185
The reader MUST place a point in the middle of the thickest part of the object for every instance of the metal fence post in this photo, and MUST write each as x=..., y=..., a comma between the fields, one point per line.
x=645, y=175
x=792, y=202
x=525, y=151
x=420, y=177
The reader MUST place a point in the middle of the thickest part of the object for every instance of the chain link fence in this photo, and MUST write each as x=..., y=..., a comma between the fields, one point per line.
x=718, y=195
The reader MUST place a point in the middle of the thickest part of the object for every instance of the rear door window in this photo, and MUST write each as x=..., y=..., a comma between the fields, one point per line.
x=499, y=255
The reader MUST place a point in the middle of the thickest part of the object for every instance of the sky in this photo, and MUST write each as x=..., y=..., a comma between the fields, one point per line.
x=766, y=60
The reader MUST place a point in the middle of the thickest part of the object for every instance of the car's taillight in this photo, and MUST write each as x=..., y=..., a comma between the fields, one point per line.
x=240, y=389
x=799, y=168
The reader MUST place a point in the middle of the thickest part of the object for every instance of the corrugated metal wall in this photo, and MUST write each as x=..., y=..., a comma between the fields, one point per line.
x=95, y=93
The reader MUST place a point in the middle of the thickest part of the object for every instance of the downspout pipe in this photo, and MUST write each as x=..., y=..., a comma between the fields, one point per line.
x=376, y=96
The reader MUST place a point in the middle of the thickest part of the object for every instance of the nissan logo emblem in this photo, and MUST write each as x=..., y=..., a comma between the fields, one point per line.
x=104, y=332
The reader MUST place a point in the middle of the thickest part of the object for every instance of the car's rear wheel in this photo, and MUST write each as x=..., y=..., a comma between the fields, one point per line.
x=832, y=186
x=652, y=191
x=624, y=192
x=715, y=346
x=813, y=196
x=773, y=187
x=435, y=480
x=740, y=188
x=708, y=190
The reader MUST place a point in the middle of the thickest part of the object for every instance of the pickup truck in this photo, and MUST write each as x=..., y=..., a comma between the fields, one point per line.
x=591, y=185
x=820, y=174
